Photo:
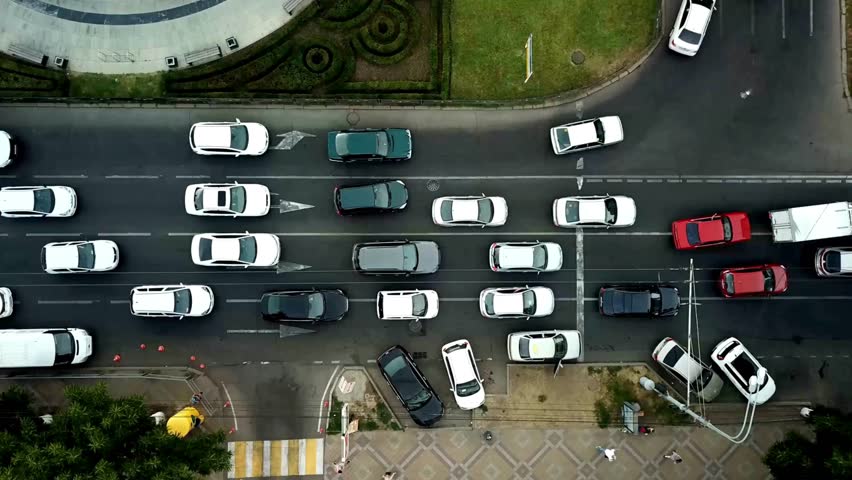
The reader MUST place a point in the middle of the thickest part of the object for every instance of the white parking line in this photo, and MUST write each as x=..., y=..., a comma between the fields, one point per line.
x=783, y=20
x=60, y=176
x=581, y=289
x=54, y=234
x=66, y=302
x=586, y=178
x=243, y=300
x=119, y=302
x=132, y=177
x=450, y=233
x=192, y=176
x=253, y=331
x=125, y=234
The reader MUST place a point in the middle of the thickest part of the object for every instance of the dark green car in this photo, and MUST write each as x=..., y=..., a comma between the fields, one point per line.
x=391, y=196
x=369, y=145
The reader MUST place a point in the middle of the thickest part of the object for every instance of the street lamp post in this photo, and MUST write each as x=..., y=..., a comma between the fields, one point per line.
x=753, y=383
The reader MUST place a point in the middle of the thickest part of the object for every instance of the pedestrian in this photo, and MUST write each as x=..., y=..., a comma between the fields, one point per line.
x=805, y=412
x=609, y=453
x=196, y=398
x=388, y=475
x=338, y=467
x=674, y=457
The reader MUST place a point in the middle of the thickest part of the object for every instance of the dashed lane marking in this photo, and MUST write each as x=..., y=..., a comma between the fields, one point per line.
x=125, y=234
x=54, y=234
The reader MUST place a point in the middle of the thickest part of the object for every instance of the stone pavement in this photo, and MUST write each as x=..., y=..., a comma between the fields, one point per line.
x=105, y=36
x=553, y=454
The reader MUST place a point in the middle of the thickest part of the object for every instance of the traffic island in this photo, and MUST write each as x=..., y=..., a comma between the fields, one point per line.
x=354, y=387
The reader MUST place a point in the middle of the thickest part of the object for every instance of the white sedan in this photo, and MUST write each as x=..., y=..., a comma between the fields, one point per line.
x=79, y=256
x=40, y=201
x=227, y=199
x=594, y=211
x=228, y=138
x=465, y=381
x=171, y=301
x=525, y=257
x=236, y=249
x=690, y=25
x=407, y=304
x=8, y=149
x=472, y=211
x=544, y=346
x=516, y=302
x=586, y=134
x=6, y=302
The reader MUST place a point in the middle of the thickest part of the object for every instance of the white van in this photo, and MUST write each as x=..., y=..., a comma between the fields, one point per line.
x=40, y=347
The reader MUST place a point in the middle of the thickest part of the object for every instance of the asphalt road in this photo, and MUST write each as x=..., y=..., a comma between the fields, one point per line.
x=694, y=145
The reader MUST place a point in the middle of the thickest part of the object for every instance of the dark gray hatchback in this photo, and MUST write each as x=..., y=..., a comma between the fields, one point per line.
x=400, y=257
x=390, y=196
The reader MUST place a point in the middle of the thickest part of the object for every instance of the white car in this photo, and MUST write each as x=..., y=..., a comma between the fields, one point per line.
x=171, y=301
x=472, y=211
x=544, y=346
x=6, y=302
x=586, y=134
x=739, y=365
x=227, y=199
x=39, y=201
x=594, y=211
x=525, y=257
x=690, y=26
x=516, y=302
x=229, y=138
x=833, y=261
x=699, y=378
x=236, y=249
x=407, y=304
x=79, y=256
x=465, y=382
x=8, y=149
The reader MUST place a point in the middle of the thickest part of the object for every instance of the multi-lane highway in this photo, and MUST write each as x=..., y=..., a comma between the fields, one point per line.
x=694, y=145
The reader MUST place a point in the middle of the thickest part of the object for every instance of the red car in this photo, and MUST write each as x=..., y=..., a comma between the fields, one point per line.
x=717, y=229
x=769, y=279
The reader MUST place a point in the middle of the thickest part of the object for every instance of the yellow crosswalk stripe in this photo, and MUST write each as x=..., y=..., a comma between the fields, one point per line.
x=276, y=458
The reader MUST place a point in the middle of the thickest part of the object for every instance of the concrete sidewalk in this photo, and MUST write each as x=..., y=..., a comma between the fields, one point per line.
x=103, y=36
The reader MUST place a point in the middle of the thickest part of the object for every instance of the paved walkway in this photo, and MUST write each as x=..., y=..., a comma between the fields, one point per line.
x=105, y=36
x=456, y=454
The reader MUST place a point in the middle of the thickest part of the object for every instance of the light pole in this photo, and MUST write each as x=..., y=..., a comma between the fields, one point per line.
x=754, y=383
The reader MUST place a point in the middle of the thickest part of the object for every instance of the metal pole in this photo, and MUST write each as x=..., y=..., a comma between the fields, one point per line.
x=689, y=327
x=344, y=432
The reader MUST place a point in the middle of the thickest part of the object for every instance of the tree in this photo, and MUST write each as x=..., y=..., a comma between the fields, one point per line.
x=828, y=456
x=97, y=437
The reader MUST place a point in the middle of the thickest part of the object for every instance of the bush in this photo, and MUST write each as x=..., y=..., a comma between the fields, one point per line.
x=18, y=78
x=355, y=21
x=383, y=49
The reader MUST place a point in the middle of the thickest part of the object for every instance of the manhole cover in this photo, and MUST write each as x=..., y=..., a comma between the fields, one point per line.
x=433, y=185
x=418, y=355
x=353, y=118
x=578, y=57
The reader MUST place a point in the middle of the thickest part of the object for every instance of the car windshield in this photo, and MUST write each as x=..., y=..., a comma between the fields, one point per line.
x=692, y=236
x=248, y=249
x=316, y=305
x=239, y=137
x=382, y=195
x=199, y=199
x=729, y=283
x=238, y=199
x=690, y=37
x=467, y=388
x=572, y=211
x=539, y=256
x=382, y=143
x=63, y=342
x=656, y=301
x=86, y=256
x=447, y=211
x=489, y=303
x=611, y=210
x=486, y=210
x=560, y=346
x=205, y=247
x=529, y=302
x=43, y=200
x=183, y=301
x=524, y=347
x=599, y=130
x=768, y=280
x=831, y=261
x=702, y=380
x=726, y=226
x=406, y=383
x=409, y=257
x=563, y=138
x=418, y=305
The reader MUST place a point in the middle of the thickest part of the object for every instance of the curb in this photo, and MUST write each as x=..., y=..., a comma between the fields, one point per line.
x=172, y=373
x=844, y=73
x=535, y=104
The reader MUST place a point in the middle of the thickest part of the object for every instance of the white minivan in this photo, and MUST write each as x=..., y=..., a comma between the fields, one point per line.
x=43, y=347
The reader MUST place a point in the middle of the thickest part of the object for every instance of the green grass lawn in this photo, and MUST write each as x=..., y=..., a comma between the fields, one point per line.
x=488, y=39
x=93, y=85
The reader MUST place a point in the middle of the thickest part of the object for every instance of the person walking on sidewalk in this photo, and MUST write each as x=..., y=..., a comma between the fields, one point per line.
x=609, y=453
x=388, y=475
x=674, y=457
x=196, y=398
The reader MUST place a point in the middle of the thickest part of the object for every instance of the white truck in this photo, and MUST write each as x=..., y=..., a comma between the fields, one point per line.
x=813, y=222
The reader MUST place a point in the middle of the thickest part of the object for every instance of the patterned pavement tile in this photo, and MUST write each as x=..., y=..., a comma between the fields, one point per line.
x=426, y=465
x=524, y=445
x=491, y=465
x=459, y=445
x=554, y=465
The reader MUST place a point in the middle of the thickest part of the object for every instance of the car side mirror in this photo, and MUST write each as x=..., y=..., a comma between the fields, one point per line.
x=245, y=266
x=238, y=121
x=180, y=318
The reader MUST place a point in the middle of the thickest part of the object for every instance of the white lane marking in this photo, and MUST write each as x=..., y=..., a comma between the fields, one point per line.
x=66, y=302
x=8, y=176
x=192, y=176
x=125, y=234
x=242, y=300
x=721, y=17
x=452, y=233
x=587, y=178
x=324, y=395
x=783, y=21
x=60, y=176
x=752, y=17
x=233, y=411
x=253, y=331
x=119, y=302
x=811, y=31
x=776, y=299
x=54, y=234
x=581, y=289
x=131, y=177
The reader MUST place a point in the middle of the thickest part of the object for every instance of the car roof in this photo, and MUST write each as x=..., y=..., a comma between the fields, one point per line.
x=711, y=231
x=154, y=301
x=542, y=347
x=697, y=18
x=225, y=248
x=17, y=199
x=508, y=302
x=748, y=281
x=62, y=256
x=360, y=196
x=212, y=136
x=359, y=142
x=210, y=197
x=592, y=209
x=515, y=256
x=465, y=210
x=461, y=364
x=397, y=305
x=583, y=133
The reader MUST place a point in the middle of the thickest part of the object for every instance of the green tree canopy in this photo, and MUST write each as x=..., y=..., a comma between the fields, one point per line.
x=827, y=457
x=97, y=437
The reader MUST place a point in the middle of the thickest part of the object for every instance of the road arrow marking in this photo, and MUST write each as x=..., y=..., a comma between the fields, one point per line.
x=579, y=183
x=288, y=331
x=285, y=206
x=290, y=139
x=284, y=267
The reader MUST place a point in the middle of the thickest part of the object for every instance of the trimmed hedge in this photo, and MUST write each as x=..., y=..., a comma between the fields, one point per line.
x=294, y=76
x=19, y=78
x=350, y=23
x=398, y=12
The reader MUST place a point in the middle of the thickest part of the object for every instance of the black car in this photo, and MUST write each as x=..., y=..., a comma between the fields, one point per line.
x=639, y=301
x=369, y=145
x=391, y=196
x=410, y=386
x=400, y=257
x=327, y=305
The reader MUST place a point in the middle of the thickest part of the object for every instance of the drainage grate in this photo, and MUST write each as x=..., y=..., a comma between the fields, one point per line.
x=419, y=355
x=433, y=185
